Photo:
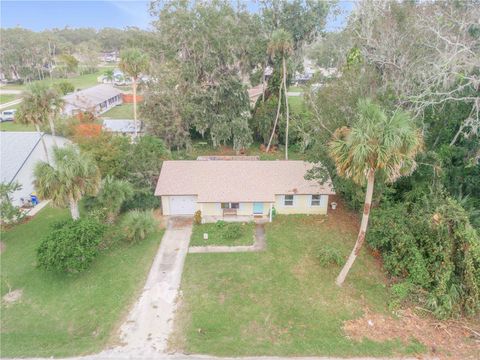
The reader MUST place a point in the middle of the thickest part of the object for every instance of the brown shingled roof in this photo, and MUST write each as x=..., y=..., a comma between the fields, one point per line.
x=237, y=181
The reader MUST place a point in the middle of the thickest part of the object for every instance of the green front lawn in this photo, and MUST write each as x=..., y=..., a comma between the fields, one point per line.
x=66, y=315
x=14, y=126
x=216, y=234
x=282, y=301
x=124, y=111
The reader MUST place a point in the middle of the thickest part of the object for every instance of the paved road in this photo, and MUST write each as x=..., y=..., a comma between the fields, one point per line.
x=10, y=104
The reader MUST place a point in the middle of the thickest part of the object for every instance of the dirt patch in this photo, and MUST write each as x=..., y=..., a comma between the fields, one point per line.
x=162, y=220
x=181, y=222
x=450, y=339
x=2, y=247
x=13, y=296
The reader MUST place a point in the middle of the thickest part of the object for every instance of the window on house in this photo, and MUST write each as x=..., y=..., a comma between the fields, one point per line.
x=288, y=200
x=228, y=205
x=315, y=200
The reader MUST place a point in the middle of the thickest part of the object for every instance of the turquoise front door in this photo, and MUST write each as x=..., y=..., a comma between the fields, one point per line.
x=258, y=208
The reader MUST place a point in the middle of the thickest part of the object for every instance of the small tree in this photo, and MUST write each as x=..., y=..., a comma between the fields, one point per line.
x=9, y=213
x=72, y=176
x=134, y=62
x=41, y=105
x=242, y=134
x=137, y=225
x=113, y=193
x=376, y=144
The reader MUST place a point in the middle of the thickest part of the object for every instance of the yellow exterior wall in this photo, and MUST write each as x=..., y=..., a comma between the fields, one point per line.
x=211, y=209
x=301, y=205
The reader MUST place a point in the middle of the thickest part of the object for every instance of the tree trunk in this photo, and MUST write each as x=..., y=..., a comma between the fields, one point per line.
x=52, y=129
x=74, y=209
x=286, y=105
x=276, y=118
x=134, y=85
x=43, y=142
x=363, y=230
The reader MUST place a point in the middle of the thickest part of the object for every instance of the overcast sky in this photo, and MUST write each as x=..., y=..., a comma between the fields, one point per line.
x=40, y=15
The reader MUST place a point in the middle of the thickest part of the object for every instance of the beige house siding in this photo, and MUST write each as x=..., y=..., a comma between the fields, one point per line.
x=301, y=205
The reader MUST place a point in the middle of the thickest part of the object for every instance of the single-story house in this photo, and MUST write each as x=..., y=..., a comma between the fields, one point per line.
x=97, y=100
x=225, y=189
x=19, y=153
x=124, y=127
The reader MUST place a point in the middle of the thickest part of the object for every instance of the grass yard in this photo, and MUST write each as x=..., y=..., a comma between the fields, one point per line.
x=296, y=89
x=282, y=301
x=202, y=148
x=14, y=126
x=80, y=81
x=216, y=234
x=124, y=111
x=66, y=315
x=5, y=98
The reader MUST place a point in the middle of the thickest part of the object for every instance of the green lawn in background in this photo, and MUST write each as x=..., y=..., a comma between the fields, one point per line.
x=5, y=98
x=80, y=81
x=215, y=235
x=296, y=89
x=66, y=315
x=14, y=126
x=281, y=302
x=123, y=111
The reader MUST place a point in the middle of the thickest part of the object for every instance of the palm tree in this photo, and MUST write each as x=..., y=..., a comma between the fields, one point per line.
x=134, y=62
x=109, y=75
x=73, y=176
x=41, y=104
x=376, y=144
x=113, y=193
x=281, y=43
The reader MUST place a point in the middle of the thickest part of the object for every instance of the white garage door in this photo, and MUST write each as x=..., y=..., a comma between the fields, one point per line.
x=182, y=205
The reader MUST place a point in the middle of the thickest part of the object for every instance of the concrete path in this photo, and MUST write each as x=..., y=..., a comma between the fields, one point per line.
x=260, y=244
x=150, y=322
x=294, y=93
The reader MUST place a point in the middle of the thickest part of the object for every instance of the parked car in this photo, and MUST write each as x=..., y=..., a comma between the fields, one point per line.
x=8, y=115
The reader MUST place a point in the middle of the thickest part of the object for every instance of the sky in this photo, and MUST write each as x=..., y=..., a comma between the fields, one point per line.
x=38, y=15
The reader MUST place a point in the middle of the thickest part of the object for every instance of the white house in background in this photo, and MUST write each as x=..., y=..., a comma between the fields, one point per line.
x=240, y=189
x=19, y=152
x=97, y=100
x=122, y=126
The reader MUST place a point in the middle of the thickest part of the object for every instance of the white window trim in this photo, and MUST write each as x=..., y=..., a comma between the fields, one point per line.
x=293, y=200
x=310, y=202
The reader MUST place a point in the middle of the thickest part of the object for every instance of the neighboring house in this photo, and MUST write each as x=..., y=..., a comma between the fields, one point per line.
x=240, y=189
x=97, y=100
x=255, y=92
x=19, y=152
x=122, y=126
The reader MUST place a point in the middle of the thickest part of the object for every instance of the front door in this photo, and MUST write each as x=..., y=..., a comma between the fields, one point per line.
x=257, y=208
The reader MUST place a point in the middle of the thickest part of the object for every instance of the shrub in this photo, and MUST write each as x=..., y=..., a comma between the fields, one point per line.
x=232, y=231
x=327, y=255
x=431, y=245
x=9, y=213
x=71, y=246
x=64, y=87
x=142, y=200
x=113, y=193
x=137, y=225
x=197, y=217
x=220, y=224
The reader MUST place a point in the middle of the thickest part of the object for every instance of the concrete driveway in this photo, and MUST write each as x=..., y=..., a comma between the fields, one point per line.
x=151, y=320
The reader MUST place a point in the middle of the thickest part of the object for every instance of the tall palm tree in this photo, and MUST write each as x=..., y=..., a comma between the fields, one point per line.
x=281, y=43
x=72, y=176
x=134, y=62
x=41, y=104
x=376, y=144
